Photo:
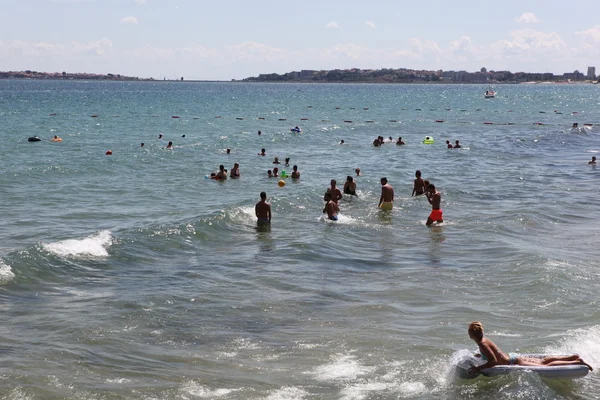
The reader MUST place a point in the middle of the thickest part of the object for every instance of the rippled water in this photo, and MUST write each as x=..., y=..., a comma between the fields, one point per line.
x=133, y=276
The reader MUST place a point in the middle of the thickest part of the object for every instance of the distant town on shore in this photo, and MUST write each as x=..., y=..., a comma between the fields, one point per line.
x=353, y=75
x=404, y=75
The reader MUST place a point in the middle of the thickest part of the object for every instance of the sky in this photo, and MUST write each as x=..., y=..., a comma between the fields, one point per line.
x=235, y=39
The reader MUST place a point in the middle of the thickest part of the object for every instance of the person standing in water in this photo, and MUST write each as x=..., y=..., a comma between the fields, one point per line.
x=435, y=198
x=295, y=172
x=419, y=185
x=235, y=171
x=386, y=201
x=350, y=186
x=262, y=209
x=492, y=355
x=222, y=174
x=334, y=192
x=331, y=207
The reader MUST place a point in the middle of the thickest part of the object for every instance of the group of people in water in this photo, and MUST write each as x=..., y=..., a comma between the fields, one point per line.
x=333, y=195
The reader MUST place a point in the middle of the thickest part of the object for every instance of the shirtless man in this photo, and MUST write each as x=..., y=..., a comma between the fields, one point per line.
x=593, y=162
x=492, y=355
x=350, y=186
x=386, y=201
x=262, y=152
x=295, y=173
x=222, y=174
x=457, y=145
x=419, y=185
x=448, y=144
x=262, y=209
x=235, y=171
x=335, y=192
x=400, y=142
x=435, y=198
x=331, y=207
x=357, y=170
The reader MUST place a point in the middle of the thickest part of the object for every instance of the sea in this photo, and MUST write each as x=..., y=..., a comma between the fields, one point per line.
x=130, y=275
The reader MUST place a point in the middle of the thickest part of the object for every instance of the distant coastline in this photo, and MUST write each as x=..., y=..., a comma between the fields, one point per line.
x=29, y=74
x=403, y=75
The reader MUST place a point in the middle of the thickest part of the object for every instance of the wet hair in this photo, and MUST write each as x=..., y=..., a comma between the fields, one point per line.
x=333, y=182
x=221, y=167
x=262, y=150
x=384, y=180
x=228, y=151
x=418, y=173
x=269, y=172
x=263, y=195
x=287, y=160
x=431, y=186
x=476, y=329
x=349, y=178
x=275, y=170
x=295, y=167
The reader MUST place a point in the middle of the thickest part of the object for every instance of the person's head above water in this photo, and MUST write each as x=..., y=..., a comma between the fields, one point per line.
x=418, y=173
x=384, y=181
x=476, y=330
x=263, y=195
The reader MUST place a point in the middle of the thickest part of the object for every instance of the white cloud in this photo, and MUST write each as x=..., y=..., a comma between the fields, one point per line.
x=592, y=34
x=332, y=25
x=370, y=24
x=129, y=21
x=141, y=1
x=99, y=47
x=527, y=18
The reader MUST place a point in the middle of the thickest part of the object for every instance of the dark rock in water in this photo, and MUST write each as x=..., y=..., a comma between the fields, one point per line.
x=34, y=139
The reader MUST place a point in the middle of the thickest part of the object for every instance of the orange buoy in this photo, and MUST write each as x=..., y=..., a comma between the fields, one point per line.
x=108, y=152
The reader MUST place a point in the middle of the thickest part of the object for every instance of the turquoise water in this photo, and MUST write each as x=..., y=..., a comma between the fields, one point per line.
x=133, y=276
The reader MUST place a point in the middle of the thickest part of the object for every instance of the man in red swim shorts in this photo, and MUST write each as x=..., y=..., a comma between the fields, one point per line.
x=435, y=198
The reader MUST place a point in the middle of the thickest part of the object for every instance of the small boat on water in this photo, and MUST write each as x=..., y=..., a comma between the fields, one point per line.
x=489, y=94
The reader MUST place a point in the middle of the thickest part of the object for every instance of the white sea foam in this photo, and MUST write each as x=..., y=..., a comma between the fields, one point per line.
x=343, y=367
x=287, y=393
x=194, y=389
x=6, y=273
x=95, y=245
x=585, y=342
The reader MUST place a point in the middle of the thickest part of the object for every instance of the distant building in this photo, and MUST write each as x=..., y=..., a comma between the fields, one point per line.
x=591, y=73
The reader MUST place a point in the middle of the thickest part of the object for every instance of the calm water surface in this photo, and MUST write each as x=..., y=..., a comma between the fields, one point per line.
x=132, y=276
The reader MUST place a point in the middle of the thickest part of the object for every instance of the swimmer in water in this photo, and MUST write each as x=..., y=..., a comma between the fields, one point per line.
x=259, y=133
x=435, y=198
x=449, y=145
x=276, y=160
x=275, y=172
x=419, y=185
x=492, y=355
x=593, y=162
x=457, y=145
x=287, y=162
x=160, y=135
x=400, y=142
x=357, y=171
x=228, y=151
x=342, y=141
x=170, y=146
x=235, y=171
x=350, y=186
x=262, y=210
x=270, y=173
x=295, y=172
x=142, y=145
x=262, y=152
x=386, y=200
x=56, y=139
